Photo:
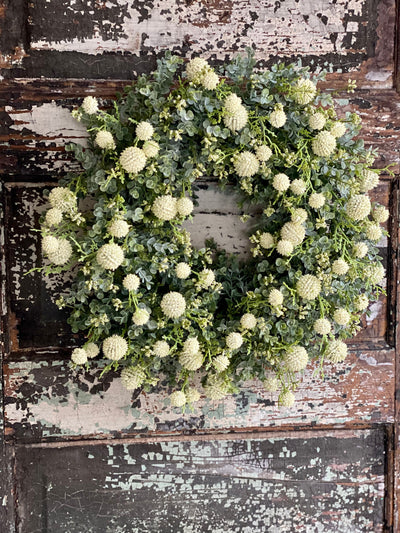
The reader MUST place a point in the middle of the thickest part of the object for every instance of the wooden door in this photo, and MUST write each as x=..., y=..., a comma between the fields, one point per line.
x=80, y=454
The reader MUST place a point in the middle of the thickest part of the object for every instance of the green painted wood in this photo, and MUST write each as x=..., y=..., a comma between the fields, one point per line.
x=310, y=482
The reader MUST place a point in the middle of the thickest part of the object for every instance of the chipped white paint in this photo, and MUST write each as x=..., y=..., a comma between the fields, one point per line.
x=375, y=309
x=81, y=413
x=285, y=28
x=51, y=121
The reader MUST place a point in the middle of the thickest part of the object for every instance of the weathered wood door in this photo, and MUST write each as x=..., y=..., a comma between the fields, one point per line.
x=79, y=454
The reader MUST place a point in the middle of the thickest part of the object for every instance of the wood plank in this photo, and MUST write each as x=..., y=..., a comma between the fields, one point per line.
x=6, y=451
x=46, y=400
x=35, y=320
x=37, y=124
x=335, y=482
x=355, y=37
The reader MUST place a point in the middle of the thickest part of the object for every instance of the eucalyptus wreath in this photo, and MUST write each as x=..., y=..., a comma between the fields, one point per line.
x=159, y=309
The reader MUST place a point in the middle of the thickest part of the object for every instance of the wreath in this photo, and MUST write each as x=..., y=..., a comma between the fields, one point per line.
x=161, y=310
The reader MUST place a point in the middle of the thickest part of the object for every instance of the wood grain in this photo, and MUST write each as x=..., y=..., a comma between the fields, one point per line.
x=119, y=39
x=37, y=124
x=307, y=482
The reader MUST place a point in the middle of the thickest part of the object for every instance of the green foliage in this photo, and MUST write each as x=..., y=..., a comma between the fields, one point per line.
x=192, y=127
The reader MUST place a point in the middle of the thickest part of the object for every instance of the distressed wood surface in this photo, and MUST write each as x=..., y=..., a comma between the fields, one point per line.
x=36, y=124
x=46, y=400
x=322, y=482
x=121, y=38
x=34, y=319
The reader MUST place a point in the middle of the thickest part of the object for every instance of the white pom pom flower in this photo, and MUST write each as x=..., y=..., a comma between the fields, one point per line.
x=62, y=255
x=293, y=232
x=271, y=384
x=49, y=244
x=317, y=121
x=206, y=278
x=299, y=215
x=361, y=302
x=63, y=199
x=267, y=240
x=281, y=182
x=304, y=91
x=236, y=120
x=115, y=347
x=161, y=349
x=234, y=340
x=369, y=180
x=232, y=103
x=322, y=326
x=360, y=249
x=177, y=399
x=132, y=377
x=133, y=160
x=336, y=351
x=296, y=359
x=92, y=350
x=308, y=287
x=284, y=248
x=144, y=131
x=221, y=363
x=338, y=129
x=79, y=356
x=110, y=256
x=131, y=282
x=90, y=105
x=105, y=140
x=191, y=362
x=209, y=80
x=278, y=117
x=341, y=316
x=184, y=206
x=140, y=317
x=173, y=304
x=118, y=228
x=216, y=387
x=248, y=321
x=324, y=144
x=374, y=232
x=151, y=149
x=316, y=200
x=246, y=165
x=298, y=187
x=380, y=214
x=165, y=207
x=191, y=346
x=192, y=395
x=358, y=207
x=54, y=216
x=340, y=267
x=275, y=298
x=263, y=152
x=375, y=274
x=195, y=68
x=183, y=270
x=286, y=399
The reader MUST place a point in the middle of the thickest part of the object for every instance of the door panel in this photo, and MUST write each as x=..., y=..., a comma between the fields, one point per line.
x=321, y=482
x=68, y=465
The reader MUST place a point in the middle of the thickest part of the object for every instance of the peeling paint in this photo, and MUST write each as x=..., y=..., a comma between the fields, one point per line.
x=52, y=400
x=218, y=28
x=51, y=121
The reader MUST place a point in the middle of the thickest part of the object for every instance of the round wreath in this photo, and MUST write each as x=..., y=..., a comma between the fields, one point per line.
x=160, y=309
